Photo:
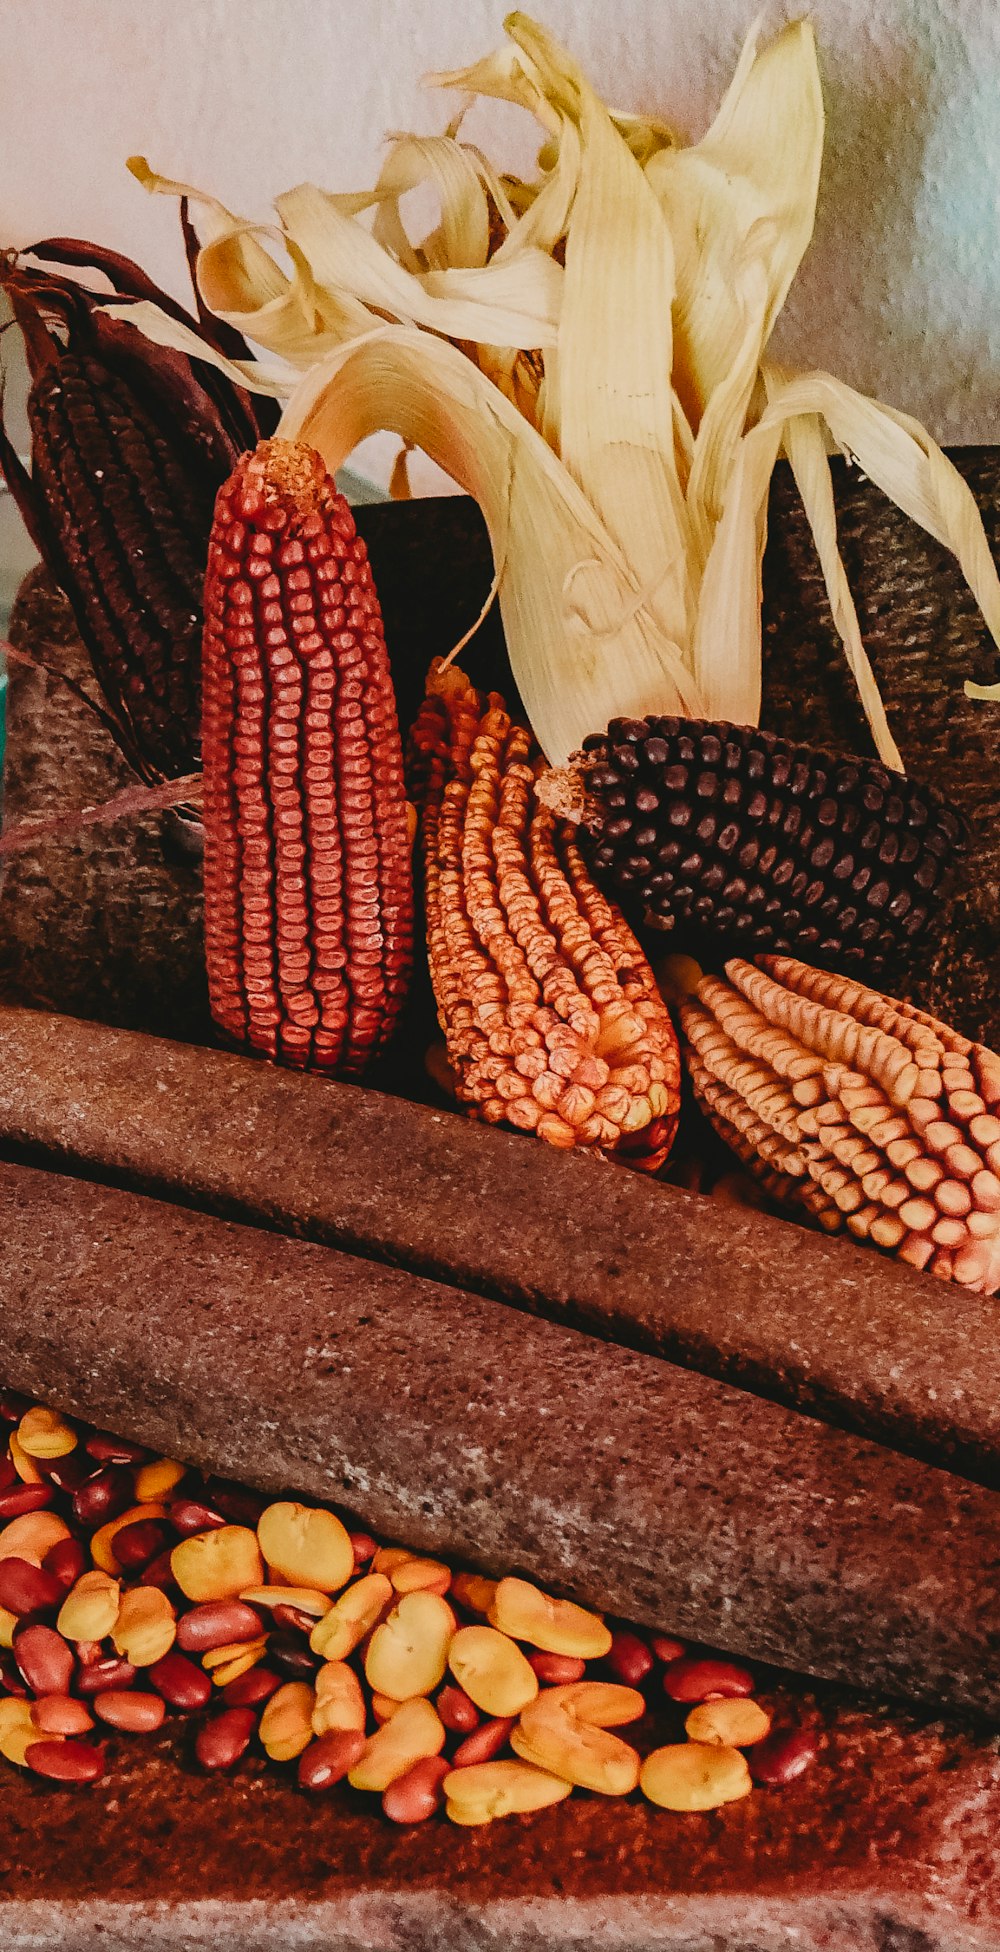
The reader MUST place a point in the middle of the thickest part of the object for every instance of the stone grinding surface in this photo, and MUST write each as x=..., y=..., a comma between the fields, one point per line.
x=472, y=1430
x=887, y=1846
x=822, y=1326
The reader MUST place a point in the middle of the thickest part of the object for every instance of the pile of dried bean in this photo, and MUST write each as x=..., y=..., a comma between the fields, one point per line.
x=131, y=1587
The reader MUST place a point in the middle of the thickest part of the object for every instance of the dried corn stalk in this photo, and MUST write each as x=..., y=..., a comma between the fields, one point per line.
x=550, y=1011
x=861, y=1111
x=308, y=886
x=606, y=395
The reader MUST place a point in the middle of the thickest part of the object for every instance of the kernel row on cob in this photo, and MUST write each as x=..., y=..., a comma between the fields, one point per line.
x=129, y=444
x=130, y=1588
x=550, y=1011
x=862, y=1112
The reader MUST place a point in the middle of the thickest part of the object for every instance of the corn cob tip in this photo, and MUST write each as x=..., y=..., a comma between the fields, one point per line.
x=282, y=472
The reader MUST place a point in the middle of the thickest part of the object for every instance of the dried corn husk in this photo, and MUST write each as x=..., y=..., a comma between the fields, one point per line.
x=606, y=393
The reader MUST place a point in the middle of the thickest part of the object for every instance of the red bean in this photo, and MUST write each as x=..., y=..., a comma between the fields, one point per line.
x=237, y=1503
x=98, y=1677
x=218, y=1623
x=138, y=1714
x=328, y=1760
x=457, y=1711
x=115, y=1450
x=180, y=1682
x=101, y=1498
x=364, y=1547
x=694, y=1679
x=65, y=1561
x=25, y=1497
x=136, y=1546
x=70, y=1472
x=250, y=1690
x=187, y=1517
x=782, y=1756
x=25, y=1588
x=159, y=1572
x=45, y=1660
x=13, y=1406
x=558, y=1670
x=666, y=1649
x=224, y=1738
x=630, y=1659
x=414, y=1797
x=484, y=1743
x=11, y=1682
x=8, y=1474
x=66, y=1762
x=292, y=1656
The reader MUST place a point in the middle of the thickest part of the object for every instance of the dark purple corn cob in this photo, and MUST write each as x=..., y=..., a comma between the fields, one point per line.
x=732, y=833
x=129, y=446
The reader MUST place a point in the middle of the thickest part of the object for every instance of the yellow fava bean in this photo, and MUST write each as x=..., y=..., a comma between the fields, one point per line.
x=564, y=1732
x=473, y=1591
x=407, y=1655
x=146, y=1627
x=492, y=1670
x=421, y=1576
x=217, y=1565
x=25, y=1466
x=694, y=1776
x=554, y=1626
x=486, y=1790
x=340, y=1703
x=306, y=1545
x=44, y=1433
x=286, y=1724
x=389, y=1558
x=31, y=1536
x=354, y=1613
x=241, y=1663
x=156, y=1480
x=18, y=1730
x=102, y=1542
x=234, y=1650
x=304, y=1598
x=735, y=1723
x=8, y=1621
x=414, y=1731
x=90, y=1610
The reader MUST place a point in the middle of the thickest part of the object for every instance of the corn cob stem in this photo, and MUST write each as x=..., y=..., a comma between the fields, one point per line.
x=550, y=1011
x=308, y=887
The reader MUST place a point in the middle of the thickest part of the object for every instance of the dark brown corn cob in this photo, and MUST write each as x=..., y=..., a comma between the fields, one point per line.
x=129, y=447
x=550, y=1011
x=308, y=885
x=863, y=1112
x=730, y=831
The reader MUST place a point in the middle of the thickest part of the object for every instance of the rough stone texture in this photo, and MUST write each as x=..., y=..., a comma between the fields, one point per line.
x=820, y=1325
x=887, y=1846
x=473, y=1430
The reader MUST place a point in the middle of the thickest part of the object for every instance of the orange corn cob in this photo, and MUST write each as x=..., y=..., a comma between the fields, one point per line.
x=550, y=1011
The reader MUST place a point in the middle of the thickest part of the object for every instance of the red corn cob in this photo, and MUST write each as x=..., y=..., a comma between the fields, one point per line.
x=308, y=885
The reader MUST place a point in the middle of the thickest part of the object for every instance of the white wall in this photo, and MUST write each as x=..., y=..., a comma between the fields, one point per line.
x=901, y=293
